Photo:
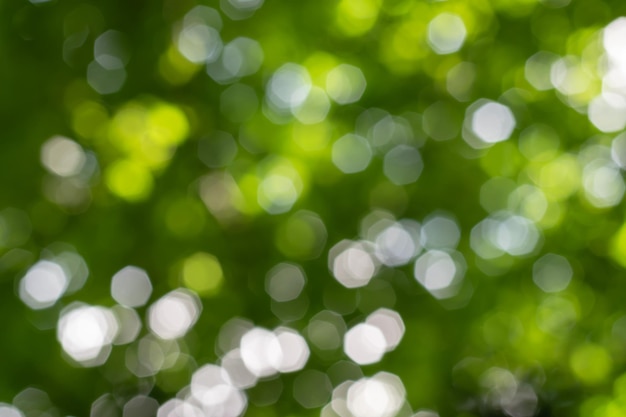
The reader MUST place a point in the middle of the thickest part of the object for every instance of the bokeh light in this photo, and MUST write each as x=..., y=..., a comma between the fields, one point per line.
x=345, y=84
x=398, y=242
x=285, y=282
x=140, y=406
x=440, y=231
x=62, y=156
x=351, y=263
x=131, y=287
x=239, y=374
x=173, y=315
x=365, y=343
x=390, y=324
x=261, y=351
x=552, y=273
x=202, y=273
x=351, y=153
x=43, y=285
x=490, y=123
x=446, y=33
x=440, y=272
x=403, y=165
x=86, y=333
x=502, y=233
x=326, y=330
x=266, y=209
x=7, y=410
x=129, y=325
x=382, y=395
x=239, y=58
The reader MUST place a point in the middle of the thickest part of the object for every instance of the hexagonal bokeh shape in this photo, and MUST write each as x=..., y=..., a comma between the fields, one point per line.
x=131, y=286
x=171, y=316
x=390, y=324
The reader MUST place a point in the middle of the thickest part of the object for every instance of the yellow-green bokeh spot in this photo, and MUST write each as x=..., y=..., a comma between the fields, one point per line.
x=129, y=180
x=619, y=388
x=319, y=65
x=248, y=185
x=148, y=132
x=202, y=273
x=591, y=363
x=282, y=182
x=559, y=178
x=168, y=124
x=127, y=128
x=539, y=143
x=397, y=7
x=356, y=17
x=503, y=159
x=402, y=46
x=595, y=406
x=312, y=139
x=553, y=216
x=618, y=246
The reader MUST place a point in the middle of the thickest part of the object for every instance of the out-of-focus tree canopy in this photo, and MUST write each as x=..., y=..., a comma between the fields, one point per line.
x=353, y=208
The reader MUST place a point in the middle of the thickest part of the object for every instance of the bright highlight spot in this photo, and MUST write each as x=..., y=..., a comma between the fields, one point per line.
x=174, y=314
x=365, y=344
x=7, y=410
x=295, y=351
x=43, y=285
x=288, y=88
x=86, y=333
x=179, y=408
x=211, y=386
x=537, y=70
x=379, y=396
x=446, y=33
x=613, y=39
x=493, y=122
x=261, y=352
x=607, y=112
x=390, y=324
x=62, y=156
x=239, y=374
x=199, y=43
x=398, y=243
x=351, y=264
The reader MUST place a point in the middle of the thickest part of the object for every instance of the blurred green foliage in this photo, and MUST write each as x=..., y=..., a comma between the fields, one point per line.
x=208, y=142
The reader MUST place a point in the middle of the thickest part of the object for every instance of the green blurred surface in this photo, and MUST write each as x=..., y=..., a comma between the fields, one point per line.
x=181, y=163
